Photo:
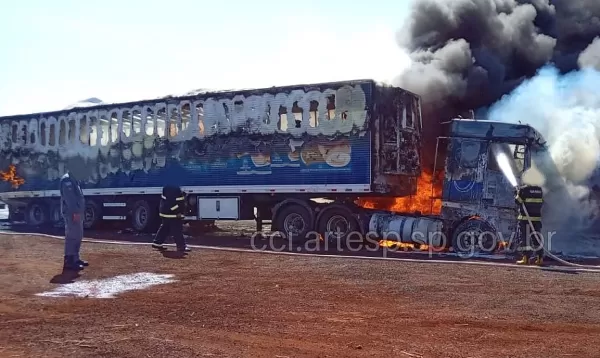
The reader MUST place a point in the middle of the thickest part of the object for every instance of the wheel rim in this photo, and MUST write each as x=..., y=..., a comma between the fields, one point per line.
x=141, y=217
x=337, y=226
x=473, y=241
x=89, y=215
x=36, y=214
x=56, y=216
x=294, y=224
x=466, y=241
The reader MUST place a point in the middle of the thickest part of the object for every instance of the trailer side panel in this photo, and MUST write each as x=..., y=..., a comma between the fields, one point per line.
x=294, y=136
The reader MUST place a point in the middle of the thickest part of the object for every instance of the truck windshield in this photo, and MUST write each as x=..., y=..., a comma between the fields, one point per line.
x=507, y=158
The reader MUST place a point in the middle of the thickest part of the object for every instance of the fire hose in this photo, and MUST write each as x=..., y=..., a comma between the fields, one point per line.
x=548, y=253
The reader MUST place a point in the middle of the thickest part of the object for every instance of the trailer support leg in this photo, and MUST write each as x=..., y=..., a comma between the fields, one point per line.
x=259, y=220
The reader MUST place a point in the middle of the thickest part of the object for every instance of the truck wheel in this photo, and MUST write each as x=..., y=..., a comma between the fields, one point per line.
x=143, y=216
x=295, y=223
x=336, y=224
x=91, y=215
x=474, y=236
x=37, y=214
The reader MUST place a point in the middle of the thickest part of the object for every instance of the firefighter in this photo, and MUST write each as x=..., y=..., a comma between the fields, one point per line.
x=529, y=242
x=72, y=207
x=171, y=210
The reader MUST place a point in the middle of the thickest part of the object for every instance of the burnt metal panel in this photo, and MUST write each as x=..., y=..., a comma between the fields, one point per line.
x=225, y=94
x=495, y=131
x=465, y=165
x=396, y=129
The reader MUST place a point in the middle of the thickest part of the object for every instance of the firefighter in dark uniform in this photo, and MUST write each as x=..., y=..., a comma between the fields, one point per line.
x=528, y=242
x=171, y=211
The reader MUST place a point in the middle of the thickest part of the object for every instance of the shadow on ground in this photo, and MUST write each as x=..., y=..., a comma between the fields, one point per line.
x=174, y=255
x=65, y=277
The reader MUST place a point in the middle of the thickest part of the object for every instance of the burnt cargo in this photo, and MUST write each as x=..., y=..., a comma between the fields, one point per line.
x=351, y=136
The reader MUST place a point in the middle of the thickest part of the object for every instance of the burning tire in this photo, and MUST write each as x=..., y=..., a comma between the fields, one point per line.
x=474, y=236
x=336, y=224
x=295, y=222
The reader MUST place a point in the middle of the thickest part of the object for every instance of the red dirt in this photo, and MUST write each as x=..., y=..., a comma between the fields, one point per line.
x=229, y=304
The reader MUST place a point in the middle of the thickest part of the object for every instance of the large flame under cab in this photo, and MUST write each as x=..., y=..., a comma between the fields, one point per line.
x=305, y=157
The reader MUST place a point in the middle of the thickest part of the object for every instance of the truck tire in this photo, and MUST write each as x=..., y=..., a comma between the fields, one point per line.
x=37, y=214
x=474, y=236
x=295, y=222
x=336, y=223
x=144, y=216
x=92, y=215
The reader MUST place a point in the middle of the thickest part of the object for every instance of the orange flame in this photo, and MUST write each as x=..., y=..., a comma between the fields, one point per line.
x=12, y=177
x=402, y=246
x=425, y=201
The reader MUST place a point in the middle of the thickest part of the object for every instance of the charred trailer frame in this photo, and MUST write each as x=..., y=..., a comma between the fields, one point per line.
x=263, y=154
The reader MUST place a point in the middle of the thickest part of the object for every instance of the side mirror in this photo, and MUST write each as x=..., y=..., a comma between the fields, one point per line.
x=520, y=152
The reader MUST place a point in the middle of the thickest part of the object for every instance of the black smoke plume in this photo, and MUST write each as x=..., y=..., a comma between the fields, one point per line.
x=468, y=53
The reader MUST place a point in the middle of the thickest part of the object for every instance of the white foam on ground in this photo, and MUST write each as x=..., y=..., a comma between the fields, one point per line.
x=109, y=287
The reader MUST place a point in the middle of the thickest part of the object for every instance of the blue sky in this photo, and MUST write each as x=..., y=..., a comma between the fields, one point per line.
x=55, y=53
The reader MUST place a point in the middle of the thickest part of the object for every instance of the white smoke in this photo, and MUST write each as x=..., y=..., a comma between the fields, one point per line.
x=590, y=57
x=566, y=112
x=503, y=156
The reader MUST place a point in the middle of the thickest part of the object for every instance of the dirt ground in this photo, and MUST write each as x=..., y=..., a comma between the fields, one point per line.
x=231, y=304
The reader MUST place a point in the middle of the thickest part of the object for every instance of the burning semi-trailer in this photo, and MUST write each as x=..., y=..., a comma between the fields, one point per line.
x=265, y=154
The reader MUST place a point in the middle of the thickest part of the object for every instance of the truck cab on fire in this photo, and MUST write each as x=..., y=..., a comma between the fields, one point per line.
x=484, y=161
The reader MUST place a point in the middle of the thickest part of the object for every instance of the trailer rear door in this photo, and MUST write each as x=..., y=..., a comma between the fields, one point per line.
x=399, y=132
